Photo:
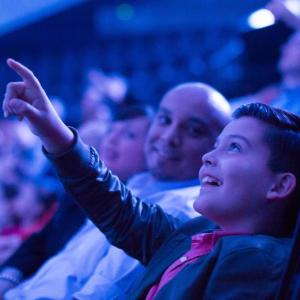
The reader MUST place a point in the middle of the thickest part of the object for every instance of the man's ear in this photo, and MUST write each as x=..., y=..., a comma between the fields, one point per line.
x=283, y=186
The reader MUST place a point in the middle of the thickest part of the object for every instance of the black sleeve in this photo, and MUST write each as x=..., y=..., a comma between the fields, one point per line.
x=127, y=222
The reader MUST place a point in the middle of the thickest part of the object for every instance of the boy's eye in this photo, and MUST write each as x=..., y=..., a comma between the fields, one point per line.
x=234, y=147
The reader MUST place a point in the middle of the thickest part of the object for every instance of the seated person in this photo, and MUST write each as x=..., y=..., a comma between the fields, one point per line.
x=131, y=131
x=70, y=269
x=249, y=201
x=65, y=223
x=6, y=220
x=281, y=11
x=285, y=94
x=33, y=204
x=6, y=212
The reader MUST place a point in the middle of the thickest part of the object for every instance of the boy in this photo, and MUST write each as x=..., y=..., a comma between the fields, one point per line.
x=249, y=190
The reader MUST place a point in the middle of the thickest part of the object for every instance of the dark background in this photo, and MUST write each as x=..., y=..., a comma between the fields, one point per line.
x=155, y=44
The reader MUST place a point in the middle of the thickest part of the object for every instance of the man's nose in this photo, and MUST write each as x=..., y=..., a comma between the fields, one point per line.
x=172, y=136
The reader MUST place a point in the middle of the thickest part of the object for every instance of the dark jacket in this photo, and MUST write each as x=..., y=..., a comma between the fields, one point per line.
x=238, y=267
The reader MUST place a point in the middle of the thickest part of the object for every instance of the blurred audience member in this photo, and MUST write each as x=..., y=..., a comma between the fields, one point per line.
x=112, y=86
x=6, y=215
x=19, y=151
x=102, y=92
x=32, y=205
x=93, y=130
x=124, y=136
x=281, y=12
x=80, y=256
x=46, y=243
x=285, y=94
x=27, y=199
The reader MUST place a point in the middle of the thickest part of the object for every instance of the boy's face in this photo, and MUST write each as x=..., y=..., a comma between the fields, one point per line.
x=235, y=177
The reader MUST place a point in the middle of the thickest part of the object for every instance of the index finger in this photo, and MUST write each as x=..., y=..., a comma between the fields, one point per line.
x=25, y=73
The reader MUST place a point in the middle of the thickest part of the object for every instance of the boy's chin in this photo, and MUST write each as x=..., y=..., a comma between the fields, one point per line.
x=203, y=206
x=197, y=206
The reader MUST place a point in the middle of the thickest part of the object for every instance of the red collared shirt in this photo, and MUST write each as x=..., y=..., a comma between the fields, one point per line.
x=201, y=244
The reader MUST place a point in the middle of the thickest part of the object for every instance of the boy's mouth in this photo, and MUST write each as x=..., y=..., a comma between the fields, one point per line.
x=209, y=180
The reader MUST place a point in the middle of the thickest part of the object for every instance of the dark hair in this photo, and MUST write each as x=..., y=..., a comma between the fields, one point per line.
x=282, y=136
x=132, y=111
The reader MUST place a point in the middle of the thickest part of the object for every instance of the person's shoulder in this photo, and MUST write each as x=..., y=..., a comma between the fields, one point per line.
x=269, y=245
x=137, y=179
x=254, y=255
x=186, y=194
x=179, y=202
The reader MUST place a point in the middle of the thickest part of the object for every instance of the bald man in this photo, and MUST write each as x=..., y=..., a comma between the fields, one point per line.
x=189, y=118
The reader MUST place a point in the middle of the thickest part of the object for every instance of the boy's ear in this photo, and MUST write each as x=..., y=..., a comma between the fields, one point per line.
x=283, y=186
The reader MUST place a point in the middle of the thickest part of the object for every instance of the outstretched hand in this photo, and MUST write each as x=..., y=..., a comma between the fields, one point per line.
x=27, y=100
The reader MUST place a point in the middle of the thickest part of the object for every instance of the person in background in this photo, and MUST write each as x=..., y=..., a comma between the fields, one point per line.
x=131, y=126
x=19, y=149
x=102, y=92
x=286, y=93
x=280, y=10
x=6, y=213
x=32, y=205
x=27, y=205
x=71, y=268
